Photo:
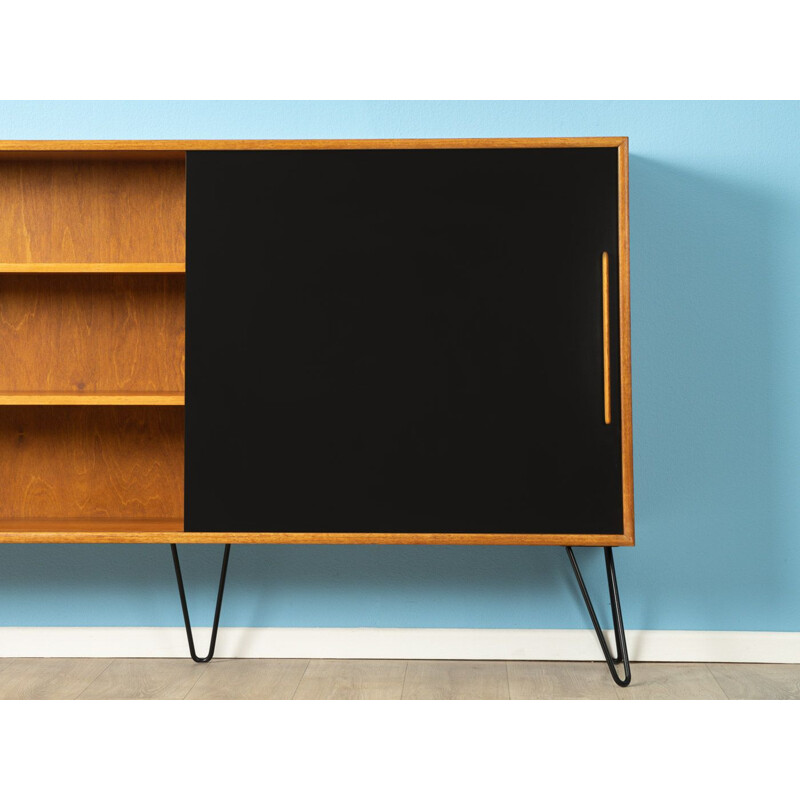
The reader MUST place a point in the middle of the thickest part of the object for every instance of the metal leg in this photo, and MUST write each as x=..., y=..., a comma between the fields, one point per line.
x=214, y=629
x=616, y=615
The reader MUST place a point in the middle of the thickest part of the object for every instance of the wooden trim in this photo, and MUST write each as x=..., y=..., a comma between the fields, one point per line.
x=625, y=348
x=92, y=399
x=53, y=534
x=110, y=153
x=91, y=268
x=75, y=529
x=176, y=147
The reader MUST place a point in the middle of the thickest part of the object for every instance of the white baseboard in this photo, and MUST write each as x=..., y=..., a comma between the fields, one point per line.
x=401, y=643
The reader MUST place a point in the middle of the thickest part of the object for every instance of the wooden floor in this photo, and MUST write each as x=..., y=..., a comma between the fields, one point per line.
x=301, y=679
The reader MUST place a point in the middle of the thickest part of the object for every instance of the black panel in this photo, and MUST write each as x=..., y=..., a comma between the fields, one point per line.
x=401, y=340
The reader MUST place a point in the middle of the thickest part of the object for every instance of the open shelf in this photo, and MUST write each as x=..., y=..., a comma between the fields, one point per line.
x=94, y=268
x=85, y=336
x=97, y=530
x=95, y=463
x=56, y=526
x=92, y=337
x=91, y=399
x=81, y=211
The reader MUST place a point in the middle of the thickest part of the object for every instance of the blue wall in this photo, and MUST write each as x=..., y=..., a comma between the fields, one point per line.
x=715, y=220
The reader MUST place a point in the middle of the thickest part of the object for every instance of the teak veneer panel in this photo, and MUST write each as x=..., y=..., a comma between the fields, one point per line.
x=172, y=148
x=92, y=333
x=34, y=527
x=152, y=531
x=625, y=344
x=96, y=267
x=102, y=463
x=94, y=399
x=92, y=211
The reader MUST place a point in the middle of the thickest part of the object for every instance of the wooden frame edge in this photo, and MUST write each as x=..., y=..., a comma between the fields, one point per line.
x=626, y=402
x=150, y=537
x=175, y=148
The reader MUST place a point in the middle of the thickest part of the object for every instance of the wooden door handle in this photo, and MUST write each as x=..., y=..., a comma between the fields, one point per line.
x=606, y=346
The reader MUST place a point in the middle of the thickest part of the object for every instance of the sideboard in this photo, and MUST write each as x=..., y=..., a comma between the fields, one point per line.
x=340, y=342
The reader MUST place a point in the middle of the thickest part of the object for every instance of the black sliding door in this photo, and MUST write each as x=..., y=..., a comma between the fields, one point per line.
x=401, y=341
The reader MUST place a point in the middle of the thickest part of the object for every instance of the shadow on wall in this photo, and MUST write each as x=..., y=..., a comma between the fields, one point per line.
x=291, y=585
x=704, y=279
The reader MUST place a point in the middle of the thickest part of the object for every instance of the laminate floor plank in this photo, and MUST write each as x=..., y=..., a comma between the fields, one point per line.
x=249, y=679
x=6, y=662
x=350, y=679
x=456, y=680
x=655, y=681
x=49, y=678
x=560, y=680
x=145, y=679
x=758, y=681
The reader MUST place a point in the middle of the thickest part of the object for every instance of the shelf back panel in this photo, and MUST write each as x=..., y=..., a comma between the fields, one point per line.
x=112, y=463
x=92, y=333
x=80, y=210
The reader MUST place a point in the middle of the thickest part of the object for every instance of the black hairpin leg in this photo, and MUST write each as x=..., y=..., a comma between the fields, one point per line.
x=214, y=629
x=616, y=615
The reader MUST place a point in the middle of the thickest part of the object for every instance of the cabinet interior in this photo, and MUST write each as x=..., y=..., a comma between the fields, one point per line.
x=92, y=331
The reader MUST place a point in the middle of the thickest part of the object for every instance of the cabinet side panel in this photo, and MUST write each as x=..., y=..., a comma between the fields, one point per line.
x=625, y=344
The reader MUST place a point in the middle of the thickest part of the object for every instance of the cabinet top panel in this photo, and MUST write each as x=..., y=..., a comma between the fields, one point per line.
x=169, y=148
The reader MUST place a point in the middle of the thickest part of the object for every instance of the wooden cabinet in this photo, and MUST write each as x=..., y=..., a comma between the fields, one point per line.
x=384, y=342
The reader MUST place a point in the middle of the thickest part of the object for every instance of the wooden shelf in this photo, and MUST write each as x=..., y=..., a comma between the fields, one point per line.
x=149, y=531
x=92, y=399
x=92, y=344
x=70, y=524
x=87, y=268
x=92, y=529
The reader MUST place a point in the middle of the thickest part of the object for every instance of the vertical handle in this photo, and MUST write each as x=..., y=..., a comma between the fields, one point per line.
x=606, y=346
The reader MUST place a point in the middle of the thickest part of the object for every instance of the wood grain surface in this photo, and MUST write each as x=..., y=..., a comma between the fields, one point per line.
x=91, y=399
x=350, y=679
x=654, y=681
x=249, y=679
x=456, y=680
x=58, y=532
x=758, y=681
x=174, y=148
x=258, y=678
x=144, y=679
x=49, y=678
x=92, y=333
x=49, y=267
x=626, y=400
x=100, y=463
x=557, y=680
x=74, y=210
x=87, y=529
